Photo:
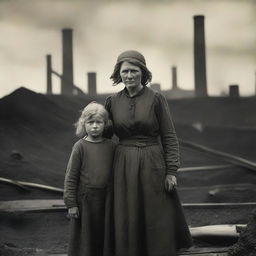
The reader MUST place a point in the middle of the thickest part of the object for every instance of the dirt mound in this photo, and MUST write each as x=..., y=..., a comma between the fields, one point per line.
x=33, y=110
x=40, y=128
x=215, y=111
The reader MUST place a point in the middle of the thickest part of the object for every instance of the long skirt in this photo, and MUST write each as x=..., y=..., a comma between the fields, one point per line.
x=92, y=233
x=148, y=220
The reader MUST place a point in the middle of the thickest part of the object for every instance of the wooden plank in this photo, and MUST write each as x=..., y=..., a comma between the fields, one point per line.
x=24, y=185
x=215, y=189
x=193, y=251
x=226, y=156
x=205, y=251
x=218, y=205
x=41, y=186
x=225, y=230
x=205, y=168
x=221, y=187
x=47, y=205
x=55, y=204
x=205, y=254
x=13, y=183
x=181, y=254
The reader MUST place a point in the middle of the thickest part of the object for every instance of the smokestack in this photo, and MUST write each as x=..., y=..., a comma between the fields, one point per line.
x=48, y=74
x=234, y=91
x=255, y=83
x=199, y=57
x=174, y=78
x=67, y=62
x=92, y=84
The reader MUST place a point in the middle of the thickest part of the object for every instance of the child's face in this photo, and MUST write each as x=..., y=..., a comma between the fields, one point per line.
x=94, y=127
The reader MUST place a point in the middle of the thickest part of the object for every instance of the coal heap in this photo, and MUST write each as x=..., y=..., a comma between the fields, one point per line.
x=41, y=130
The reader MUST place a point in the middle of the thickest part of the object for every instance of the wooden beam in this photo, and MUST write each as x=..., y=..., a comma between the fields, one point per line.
x=58, y=204
x=226, y=156
x=220, y=251
x=205, y=251
x=33, y=205
x=24, y=185
x=41, y=186
x=218, y=205
x=13, y=183
x=56, y=73
x=205, y=168
x=225, y=230
x=236, y=186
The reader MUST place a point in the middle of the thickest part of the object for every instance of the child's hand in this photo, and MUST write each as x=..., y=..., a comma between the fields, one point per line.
x=73, y=212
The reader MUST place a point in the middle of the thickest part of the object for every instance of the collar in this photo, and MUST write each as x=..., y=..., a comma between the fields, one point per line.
x=136, y=95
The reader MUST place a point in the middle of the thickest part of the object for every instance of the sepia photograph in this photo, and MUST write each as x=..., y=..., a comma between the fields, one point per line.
x=128, y=128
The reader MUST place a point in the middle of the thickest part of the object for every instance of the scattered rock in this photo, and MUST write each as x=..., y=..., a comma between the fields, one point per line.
x=11, y=250
x=198, y=126
x=15, y=154
x=246, y=245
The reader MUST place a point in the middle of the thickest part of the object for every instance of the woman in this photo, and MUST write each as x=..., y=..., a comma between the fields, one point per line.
x=149, y=220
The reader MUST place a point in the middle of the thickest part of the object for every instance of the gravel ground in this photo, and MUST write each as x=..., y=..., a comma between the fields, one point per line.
x=40, y=128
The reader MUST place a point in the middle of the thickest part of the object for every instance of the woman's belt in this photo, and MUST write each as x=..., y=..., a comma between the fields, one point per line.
x=139, y=142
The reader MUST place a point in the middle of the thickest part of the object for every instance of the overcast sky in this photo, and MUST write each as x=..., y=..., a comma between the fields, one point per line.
x=161, y=30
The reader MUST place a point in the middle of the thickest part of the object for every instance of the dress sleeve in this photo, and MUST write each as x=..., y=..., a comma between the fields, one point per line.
x=72, y=178
x=108, y=130
x=108, y=107
x=168, y=135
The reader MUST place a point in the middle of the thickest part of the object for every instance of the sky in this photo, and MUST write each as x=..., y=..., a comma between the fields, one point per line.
x=161, y=30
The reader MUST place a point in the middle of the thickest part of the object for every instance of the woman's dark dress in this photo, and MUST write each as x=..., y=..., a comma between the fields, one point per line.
x=148, y=220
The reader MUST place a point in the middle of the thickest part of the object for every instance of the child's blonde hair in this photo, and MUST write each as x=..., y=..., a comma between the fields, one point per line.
x=92, y=109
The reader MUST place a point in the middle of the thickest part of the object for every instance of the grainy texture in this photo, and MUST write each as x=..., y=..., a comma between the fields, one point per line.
x=246, y=244
x=40, y=127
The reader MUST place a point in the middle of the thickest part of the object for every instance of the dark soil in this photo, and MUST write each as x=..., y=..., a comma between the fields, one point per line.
x=41, y=129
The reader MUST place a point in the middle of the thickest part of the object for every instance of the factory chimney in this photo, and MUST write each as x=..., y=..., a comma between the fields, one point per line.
x=174, y=78
x=199, y=57
x=92, y=91
x=48, y=74
x=234, y=91
x=67, y=62
x=255, y=84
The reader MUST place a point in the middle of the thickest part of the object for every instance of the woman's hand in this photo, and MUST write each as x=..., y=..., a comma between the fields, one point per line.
x=170, y=182
x=73, y=212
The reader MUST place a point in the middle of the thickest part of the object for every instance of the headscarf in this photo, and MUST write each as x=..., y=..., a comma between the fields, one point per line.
x=135, y=57
x=131, y=55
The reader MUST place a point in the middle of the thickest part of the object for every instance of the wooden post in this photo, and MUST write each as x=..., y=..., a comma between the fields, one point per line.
x=48, y=74
x=255, y=84
x=92, y=91
x=174, y=78
x=199, y=57
x=234, y=91
x=67, y=62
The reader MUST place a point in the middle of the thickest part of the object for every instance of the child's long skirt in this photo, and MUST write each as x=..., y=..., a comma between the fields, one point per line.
x=92, y=233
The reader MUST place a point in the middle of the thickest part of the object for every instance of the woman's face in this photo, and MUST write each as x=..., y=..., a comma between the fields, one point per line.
x=131, y=75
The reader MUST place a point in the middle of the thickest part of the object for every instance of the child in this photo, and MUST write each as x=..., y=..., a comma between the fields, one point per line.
x=88, y=186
